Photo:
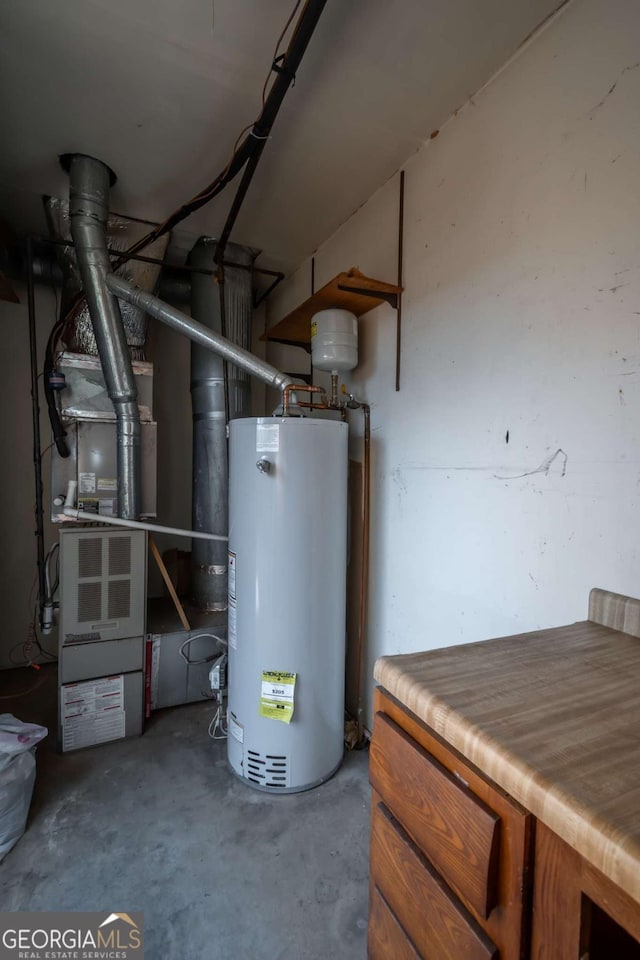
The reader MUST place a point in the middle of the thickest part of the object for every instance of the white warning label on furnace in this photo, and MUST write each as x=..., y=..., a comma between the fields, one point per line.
x=107, y=483
x=86, y=483
x=92, y=712
x=267, y=437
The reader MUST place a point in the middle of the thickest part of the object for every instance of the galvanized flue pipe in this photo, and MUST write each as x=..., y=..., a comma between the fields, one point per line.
x=89, y=182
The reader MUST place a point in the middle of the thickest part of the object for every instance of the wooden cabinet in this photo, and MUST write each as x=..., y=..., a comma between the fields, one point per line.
x=578, y=914
x=450, y=851
x=434, y=920
x=460, y=871
x=463, y=844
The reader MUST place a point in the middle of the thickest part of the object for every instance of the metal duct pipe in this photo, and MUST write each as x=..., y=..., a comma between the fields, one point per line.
x=210, y=472
x=89, y=182
x=210, y=492
x=216, y=396
x=197, y=332
x=121, y=233
x=226, y=309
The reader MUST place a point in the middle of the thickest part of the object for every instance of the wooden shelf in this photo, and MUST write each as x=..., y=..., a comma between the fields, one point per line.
x=348, y=291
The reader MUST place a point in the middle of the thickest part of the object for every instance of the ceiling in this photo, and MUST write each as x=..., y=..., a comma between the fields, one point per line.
x=159, y=90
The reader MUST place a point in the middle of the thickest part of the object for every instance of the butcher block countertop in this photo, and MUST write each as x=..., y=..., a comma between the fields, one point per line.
x=552, y=717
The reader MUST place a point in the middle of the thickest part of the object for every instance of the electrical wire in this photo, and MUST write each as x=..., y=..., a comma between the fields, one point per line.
x=23, y=693
x=24, y=662
x=218, y=722
x=276, y=54
x=198, y=200
x=199, y=636
x=217, y=185
x=51, y=552
x=45, y=653
x=27, y=645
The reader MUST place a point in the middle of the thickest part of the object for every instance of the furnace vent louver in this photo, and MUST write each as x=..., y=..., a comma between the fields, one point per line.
x=90, y=557
x=103, y=577
x=119, y=556
x=119, y=603
x=89, y=601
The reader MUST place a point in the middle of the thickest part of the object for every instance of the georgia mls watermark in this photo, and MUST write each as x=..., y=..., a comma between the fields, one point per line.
x=71, y=936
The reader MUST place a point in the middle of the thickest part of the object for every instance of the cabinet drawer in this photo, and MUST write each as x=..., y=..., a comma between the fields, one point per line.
x=439, y=926
x=387, y=939
x=457, y=831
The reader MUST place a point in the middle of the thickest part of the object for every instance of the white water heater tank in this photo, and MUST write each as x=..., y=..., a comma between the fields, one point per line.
x=287, y=599
x=334, y=340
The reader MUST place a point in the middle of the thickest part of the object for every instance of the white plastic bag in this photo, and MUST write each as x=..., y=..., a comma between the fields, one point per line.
x=17, y=776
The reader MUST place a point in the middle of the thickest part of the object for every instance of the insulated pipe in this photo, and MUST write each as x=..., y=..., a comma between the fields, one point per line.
x=197, y=332
x=89, y=182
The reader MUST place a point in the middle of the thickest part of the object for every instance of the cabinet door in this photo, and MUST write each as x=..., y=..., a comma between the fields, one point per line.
x=435, y=921
x=577, y=911
x=459, y=833
x=475, y=835
x=387, y=939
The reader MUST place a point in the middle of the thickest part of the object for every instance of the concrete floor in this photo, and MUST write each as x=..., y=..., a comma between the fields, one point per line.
x=158, y=824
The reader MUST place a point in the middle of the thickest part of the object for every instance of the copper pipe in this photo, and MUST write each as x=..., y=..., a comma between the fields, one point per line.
x=364, y=562
x=325, y=406
x=314, y=406
x=297, y=388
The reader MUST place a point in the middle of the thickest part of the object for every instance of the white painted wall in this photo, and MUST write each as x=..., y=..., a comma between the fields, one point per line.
x=521, y=314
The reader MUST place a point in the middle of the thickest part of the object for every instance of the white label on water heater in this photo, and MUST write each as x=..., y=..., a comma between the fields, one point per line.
x=232, y=613
x=267, y=437
x=232, y=624
x=277, y=699
x=236, y=729
x=232, y=576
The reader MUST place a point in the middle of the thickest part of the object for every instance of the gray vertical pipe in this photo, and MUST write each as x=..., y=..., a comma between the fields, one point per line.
x=88, y=210
x=210, y=490
x=238, y=309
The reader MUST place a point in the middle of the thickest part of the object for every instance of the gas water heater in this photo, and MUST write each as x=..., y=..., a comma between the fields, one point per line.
x=287, y=596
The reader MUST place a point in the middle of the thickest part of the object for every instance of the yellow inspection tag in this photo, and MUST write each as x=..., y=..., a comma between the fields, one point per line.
x=276, y=699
